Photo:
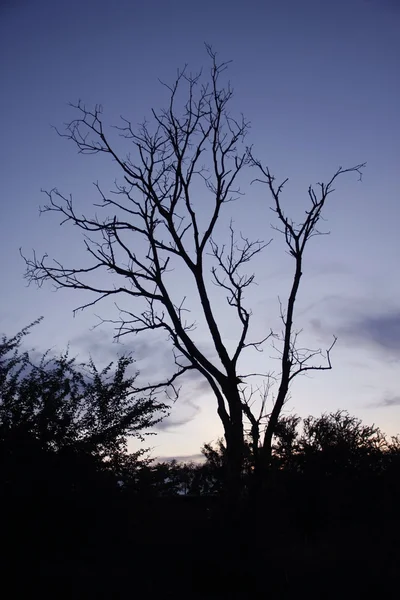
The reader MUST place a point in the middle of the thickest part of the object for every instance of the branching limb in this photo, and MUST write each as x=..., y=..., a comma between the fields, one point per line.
x=295, y=360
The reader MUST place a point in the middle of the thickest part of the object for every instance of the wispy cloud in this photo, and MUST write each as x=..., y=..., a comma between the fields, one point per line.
x=186, y=411
x=196, y=458
x=379, y=330
x=387, y=402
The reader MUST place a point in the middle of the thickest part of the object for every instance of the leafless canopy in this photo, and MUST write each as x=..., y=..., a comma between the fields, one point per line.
x=294, y=359
x=154, y=207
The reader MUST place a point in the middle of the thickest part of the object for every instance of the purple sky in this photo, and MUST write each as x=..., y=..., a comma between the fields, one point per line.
x=319, y=82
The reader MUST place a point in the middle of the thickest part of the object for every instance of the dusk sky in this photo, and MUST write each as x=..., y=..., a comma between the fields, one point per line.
x=319, y=82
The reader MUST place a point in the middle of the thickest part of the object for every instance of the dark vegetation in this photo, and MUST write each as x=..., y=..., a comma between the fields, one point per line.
x=79, y=510
x=281, y=507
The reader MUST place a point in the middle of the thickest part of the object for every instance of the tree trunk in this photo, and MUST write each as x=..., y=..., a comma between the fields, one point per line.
x=234, y=462
x=234, y=437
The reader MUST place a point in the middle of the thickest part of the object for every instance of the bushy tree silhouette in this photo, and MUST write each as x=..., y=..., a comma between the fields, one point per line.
x=63, y=445
x=62, y=405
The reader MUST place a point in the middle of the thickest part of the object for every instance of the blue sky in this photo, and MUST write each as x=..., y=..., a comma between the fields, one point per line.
x=318, y=81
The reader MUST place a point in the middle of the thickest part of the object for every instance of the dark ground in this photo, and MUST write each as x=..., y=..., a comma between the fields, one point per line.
x=313, y=541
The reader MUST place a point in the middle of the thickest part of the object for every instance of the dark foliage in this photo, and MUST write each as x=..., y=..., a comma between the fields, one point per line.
x=63, y=445
x=77, y=509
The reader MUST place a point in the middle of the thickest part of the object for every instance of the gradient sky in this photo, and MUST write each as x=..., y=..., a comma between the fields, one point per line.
x=320, y=83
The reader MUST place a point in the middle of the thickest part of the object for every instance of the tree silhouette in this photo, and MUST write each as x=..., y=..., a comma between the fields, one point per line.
x=340, y=444
x=60, y=407
x=63, y=452
x=155, y=221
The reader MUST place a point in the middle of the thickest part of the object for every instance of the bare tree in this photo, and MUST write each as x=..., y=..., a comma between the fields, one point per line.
x=156, y=204
x=295, y=359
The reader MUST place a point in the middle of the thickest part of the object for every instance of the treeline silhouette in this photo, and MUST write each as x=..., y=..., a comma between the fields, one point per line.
x=78, y=508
